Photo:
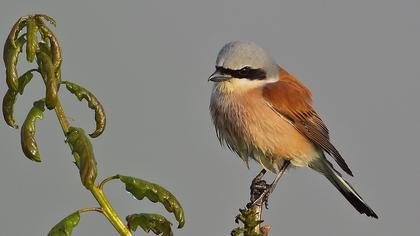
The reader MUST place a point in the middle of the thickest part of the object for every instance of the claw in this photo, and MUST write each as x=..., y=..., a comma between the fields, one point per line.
x=258, y=188
x=259, y=197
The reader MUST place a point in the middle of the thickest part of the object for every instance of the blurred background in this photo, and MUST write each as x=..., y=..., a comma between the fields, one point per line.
x=148, y=63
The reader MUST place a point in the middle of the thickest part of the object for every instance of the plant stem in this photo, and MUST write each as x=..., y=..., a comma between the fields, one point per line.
x=110, y=213
x=61, y=117
x=106, y=207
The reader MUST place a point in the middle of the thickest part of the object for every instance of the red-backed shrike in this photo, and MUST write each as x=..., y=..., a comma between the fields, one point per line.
x=262, y=112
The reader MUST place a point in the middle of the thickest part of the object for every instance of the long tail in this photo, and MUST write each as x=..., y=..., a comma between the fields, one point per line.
x=324, y=167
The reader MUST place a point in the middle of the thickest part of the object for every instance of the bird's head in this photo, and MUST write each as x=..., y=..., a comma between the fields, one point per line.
x=244, y=64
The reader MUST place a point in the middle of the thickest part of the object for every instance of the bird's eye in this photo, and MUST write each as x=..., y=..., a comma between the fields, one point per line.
x=245, y=71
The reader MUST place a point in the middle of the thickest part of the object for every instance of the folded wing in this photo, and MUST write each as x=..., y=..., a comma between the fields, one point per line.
x=293, y=100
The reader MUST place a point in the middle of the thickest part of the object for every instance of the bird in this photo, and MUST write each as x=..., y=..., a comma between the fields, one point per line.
x=262, y=112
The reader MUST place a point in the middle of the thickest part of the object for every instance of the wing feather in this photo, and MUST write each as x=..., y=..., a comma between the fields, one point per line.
x=293, y=100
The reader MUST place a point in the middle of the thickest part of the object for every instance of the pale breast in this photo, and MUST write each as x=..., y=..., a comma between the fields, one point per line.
x=248, y=126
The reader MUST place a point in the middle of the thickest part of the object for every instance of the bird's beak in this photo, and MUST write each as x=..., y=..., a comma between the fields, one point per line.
x=219, y=77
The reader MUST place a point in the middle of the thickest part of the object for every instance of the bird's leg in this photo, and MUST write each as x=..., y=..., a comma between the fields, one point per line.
x=276, y=180
x=263, y=198
x=258, y=186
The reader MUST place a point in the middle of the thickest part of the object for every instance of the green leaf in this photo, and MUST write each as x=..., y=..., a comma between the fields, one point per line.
x=66, y=226
x=93, y=103
x=155, y=193
x=53, y=50
x=32, y=43
x=43, y=47
x=84, y=156
x=56, y=55
x=10, y=97
x=10, y=58
x=56, y=51
x=14, y=32
x=28, y=143
x=47, y=18
x=48, y=74
x=76, y=160
x=9, y=100
x=46, y=49
x=24, y=80
x=154, y=222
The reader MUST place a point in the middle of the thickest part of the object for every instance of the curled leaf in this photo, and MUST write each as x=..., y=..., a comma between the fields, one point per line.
x=56, y=55
x=155, y=193
x=10, y=58
x=9, y=99
x=58, y=77
x=32, y=41
x=47, y=71
x=27, y=135
x=93, y=103
x=76, y=160
x=47, y=18
x=42, y=30
x=24, y=80
x=66, y=225
x=80, y=145
x=54, y=50
x=43, y=47
x=17, y=27
x=154, y=222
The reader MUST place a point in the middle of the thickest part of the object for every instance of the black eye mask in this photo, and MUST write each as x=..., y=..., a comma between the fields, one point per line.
x=244, y=73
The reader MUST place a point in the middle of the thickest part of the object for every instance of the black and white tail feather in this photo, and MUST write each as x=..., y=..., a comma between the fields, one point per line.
x=323, y=166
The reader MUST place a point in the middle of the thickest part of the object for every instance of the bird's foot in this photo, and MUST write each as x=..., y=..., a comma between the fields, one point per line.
x=259, y=188
x=261, y=197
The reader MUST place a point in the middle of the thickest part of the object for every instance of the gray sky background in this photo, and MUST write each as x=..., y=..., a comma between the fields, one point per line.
x=148, y=63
